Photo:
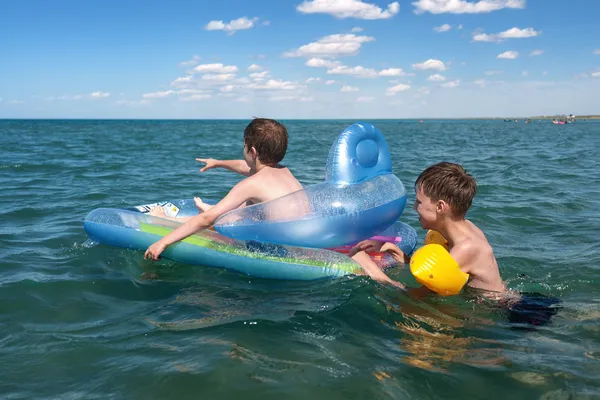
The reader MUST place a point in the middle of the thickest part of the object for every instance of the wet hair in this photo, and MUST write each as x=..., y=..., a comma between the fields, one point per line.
x=269, y=138
x=449, y=182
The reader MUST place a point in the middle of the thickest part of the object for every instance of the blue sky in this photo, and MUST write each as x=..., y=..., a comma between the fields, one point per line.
x=298, y=59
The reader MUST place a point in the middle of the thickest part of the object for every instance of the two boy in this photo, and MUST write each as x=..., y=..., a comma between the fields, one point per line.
x=444, y=195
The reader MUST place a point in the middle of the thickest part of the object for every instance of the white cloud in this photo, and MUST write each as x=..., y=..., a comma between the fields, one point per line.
x=545, y=73
x=392, y=72
x=196, y=97
x=227, y=88
x=182, y=80
x=464, y=7
x=307, y=98
x=508, y=55
x=191, y=62
x=330, y=82
x=232, y=26
x=483, y=37
x=512, y=33
x=132, y=103
x=596, y=74
x=597, y=52
x=442, y=28
x=309, y=80
x=459, y=27
x=348, y=9
x=516, y=33
x=331, y=46
x=320, y=63
x=490, y=73
x=99, y=95
x=243, y=99
x=358, y=71
x=365, y=99
x=524, y=73
x=216, y=68
x=226, y=94
x=158, y=95
x=242, y=81
x=451, y=84
x=349, y=89
x=63, y=97
x=480, y=82
x=259, y=76
x=430, y=64
x=536, y=53
x=357, y=29
x=184, y=92
x=436, y=78
x=391, y=91
x=218, y=77
x=282, y=98
x=274, y=84
x=15, y=102
x=254, y=67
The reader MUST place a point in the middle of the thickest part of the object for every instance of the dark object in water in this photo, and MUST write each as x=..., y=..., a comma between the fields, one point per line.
x=533, y=309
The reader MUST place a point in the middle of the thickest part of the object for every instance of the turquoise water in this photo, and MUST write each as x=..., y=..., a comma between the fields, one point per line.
x=81, y=321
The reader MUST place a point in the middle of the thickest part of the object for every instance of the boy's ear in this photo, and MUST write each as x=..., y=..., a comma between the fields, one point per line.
x=442, y=207
x=253, y=153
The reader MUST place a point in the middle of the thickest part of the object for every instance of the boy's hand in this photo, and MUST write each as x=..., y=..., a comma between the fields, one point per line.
x=394, y=251
x=210, y=163
x=397, y=284
x=369, y=246
x=154, y=251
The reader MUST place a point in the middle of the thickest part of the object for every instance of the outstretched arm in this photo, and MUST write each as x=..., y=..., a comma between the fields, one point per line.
x=240, y=193
x=237, y=166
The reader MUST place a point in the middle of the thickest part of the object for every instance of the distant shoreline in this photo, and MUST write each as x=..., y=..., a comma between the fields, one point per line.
x=561, y=117
x=537, y=117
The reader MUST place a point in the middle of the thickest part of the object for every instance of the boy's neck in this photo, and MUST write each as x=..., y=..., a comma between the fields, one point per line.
x=454, y=229
x=259, y=166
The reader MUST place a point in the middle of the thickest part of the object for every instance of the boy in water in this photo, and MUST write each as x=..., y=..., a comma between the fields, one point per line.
x=265, y=145
x=444, y=195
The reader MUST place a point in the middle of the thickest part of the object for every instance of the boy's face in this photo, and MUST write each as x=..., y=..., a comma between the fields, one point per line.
x=249, y=156
x=427, y=210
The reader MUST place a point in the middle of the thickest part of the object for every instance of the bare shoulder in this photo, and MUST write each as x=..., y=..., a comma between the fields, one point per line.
x=476, y=231
x=246, y=187
x=464, y=250
x=281, y=177
x=472, y=253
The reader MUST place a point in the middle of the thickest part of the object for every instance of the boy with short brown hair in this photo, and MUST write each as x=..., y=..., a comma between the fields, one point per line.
x=265, y=145
x=444, y=193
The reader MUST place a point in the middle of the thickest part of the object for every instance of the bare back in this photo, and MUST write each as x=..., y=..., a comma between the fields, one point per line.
x=477, y=259
x=271, y=183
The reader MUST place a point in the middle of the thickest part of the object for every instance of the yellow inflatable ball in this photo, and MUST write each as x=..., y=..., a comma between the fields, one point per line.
x=433, y=267
x=434, y=237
